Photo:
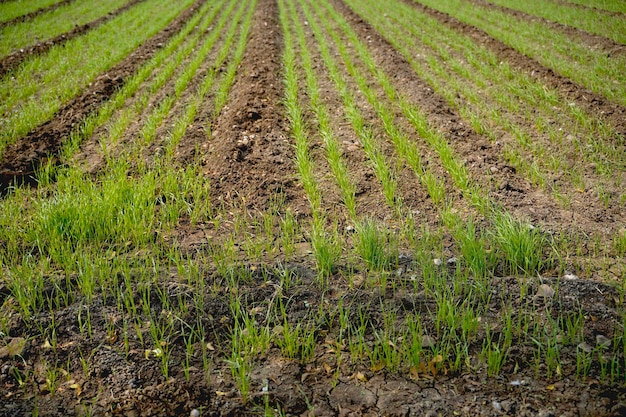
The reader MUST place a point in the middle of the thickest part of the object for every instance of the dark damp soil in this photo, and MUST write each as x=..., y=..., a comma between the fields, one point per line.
x=248, y=159
x=13, y=60
x=21, y=159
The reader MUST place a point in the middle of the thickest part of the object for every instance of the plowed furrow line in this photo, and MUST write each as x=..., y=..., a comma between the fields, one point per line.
x=248, y=157
x=342, y=155
x=145, y=89
x=12, y=61
x=22, y=158
x=30, y=15
x=507, y=186
x=490, y=107
x=572, y=68
x=151, y=113
x=595, y=39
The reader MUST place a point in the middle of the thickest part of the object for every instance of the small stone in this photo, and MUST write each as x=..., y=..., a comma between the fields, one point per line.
x=569, y=276
x=349, y=229
x=437, y=262
x=496, y=405
x=194, y=413
x=494, y=170
x=585, y=347
x=452, y=261
x=545, y=291
x=428, y=341
x=603, y=341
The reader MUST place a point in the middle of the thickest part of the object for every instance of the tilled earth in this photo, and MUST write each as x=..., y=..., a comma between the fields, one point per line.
x=117, y=377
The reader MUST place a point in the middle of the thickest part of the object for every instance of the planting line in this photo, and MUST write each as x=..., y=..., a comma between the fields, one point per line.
x=600, y=24
x=577, y=62
x=459, y=87
x=324, y=246
x=367, y=137
x=491, y=71
x=160, y=111
x=501, y=220
x=59, y=24
x=26, y=105
x=16, y=11
x=181, y=46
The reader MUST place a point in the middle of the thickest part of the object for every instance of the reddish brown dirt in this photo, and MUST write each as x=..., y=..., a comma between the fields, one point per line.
x=594, y=41
x=249, y=156
x=29, y=16
x=12, y=61
x=21, y=159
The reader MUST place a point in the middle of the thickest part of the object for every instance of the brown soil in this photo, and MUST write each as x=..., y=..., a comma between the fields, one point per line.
x=21, y=159
x=594, y=41
x=12, y=61
x=29, y=16
x=248, y=159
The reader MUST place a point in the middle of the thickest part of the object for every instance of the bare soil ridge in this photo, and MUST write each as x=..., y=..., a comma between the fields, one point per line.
x=31, y=15
x=12, y=61
x=21, y=159
x=249, y=156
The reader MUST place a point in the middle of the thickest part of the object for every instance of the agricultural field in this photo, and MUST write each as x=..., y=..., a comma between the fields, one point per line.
x=312, y=208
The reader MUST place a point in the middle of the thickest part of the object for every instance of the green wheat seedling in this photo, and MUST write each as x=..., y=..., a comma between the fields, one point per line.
x=509, y=86
x=366, y=136
x=325, y=246
x=161, y=67
x=607, y=25
x=376, y=246
x=12, y=10
x=157, y=116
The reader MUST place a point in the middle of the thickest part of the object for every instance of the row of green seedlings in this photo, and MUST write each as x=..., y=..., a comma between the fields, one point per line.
x=508, y=230
x=510, y=227
x=396, y=38
x=159, y=112
x=529, y=245
x=48, y=25
x=83, y=230
x=481, y=71
x=14, y=9
x=590, y=20
x=33, y=94
x=376, y=247
x=150, y=79
x=566, y=56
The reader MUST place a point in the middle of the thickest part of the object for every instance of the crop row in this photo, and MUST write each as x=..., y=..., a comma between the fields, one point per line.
x=26, y=104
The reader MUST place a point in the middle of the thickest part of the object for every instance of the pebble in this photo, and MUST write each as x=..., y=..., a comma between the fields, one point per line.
x=194, y=413
x=427, y=341
x=569, y=276
x=545, y=291
x=350, y=229
x=603, y=341
x=437, y=262
x=585, y=347
x=452, y=261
